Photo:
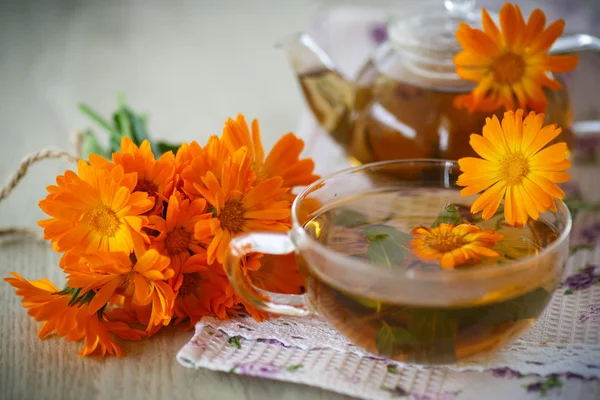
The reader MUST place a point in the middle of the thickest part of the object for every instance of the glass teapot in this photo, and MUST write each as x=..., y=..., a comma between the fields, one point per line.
x=401, y=104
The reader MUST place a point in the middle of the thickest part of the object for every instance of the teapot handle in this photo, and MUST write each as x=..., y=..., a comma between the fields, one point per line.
x=575, y=43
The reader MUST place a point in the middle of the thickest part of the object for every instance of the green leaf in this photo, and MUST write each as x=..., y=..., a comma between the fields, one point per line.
x=385, y=251
x=163, y=147
x=138, y=126
x=349, y=218
x=387, y=245
x=235, y=341
x=522, y=307
x=569, y=291
x=436, y=333
x=93, y=115
x=399, y=237
x=392, y=340
x=449, y=216
x=293, y=368
x=90, y=145
x=392, y=369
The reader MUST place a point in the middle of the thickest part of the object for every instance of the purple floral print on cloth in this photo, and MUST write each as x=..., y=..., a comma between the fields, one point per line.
x=590, y=235
x=593, y=313
x=506, y=373
x=399, y=391
x=379, y=33
x=256, y=369
x=584, y=279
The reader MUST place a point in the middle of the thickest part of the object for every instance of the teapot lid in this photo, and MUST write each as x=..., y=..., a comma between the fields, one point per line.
x=427, y=39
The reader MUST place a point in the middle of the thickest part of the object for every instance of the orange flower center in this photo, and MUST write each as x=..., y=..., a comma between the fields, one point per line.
x=445, y=242
x=104, y=221
x=508, y=68
x=127, y=287
x=232, y=216
x=177, y=241
x=146, y=186
x=513, y=168
x=189, y=283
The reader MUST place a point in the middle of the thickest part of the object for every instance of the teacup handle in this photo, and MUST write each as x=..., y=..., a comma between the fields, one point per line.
x=268, y=243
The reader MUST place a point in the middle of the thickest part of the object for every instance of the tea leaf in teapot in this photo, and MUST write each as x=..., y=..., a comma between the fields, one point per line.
x=349, y=218
x=449, y=216
x=387, y=245
x=392, y=340
x=436, y=335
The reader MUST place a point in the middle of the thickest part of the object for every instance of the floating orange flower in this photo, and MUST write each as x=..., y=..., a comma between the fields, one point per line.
x=516, y=167
x=142, y=280
x=203, y=290
x=72, y=321
x=283, y=160
x=452, y=245
x=510, y=63
x=238, y=208
x=95, y=210
x=177, y=237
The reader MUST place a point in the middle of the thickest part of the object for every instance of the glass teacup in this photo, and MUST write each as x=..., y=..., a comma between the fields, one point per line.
x=387, y=301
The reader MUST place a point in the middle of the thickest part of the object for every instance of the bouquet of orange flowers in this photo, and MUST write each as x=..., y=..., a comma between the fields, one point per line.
x=144, y=233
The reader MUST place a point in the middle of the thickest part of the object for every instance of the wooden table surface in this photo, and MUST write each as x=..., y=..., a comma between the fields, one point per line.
x=190, y=64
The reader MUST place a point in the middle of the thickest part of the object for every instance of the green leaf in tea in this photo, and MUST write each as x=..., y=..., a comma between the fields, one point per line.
x=449, y=216
x=387, y=245
x=526, y=306
x=392, y=340
x=435, y=332
x=379, y=231
x=349, y=218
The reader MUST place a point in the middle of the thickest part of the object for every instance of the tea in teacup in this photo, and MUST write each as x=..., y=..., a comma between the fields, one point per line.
x=375, y=227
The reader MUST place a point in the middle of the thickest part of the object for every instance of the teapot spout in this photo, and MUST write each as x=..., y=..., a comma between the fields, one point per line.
x=329, y=96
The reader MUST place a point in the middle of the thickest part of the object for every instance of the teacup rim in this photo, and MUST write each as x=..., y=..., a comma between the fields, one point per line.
x=299, y=236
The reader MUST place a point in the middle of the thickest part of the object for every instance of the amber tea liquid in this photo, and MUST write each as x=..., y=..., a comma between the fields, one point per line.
x=407, y=331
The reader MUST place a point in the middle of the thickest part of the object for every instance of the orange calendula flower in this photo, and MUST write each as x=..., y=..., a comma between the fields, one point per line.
x=516, y=167
x=510, y=62
x=452, y=245
x=277, y=274
x=283, y=160
x=196, y=162
x=203, y=290
x=177, y=237
x=95, y=210
x=152, y=175
x=141, y=280
x=73, y=321
x=239, y=208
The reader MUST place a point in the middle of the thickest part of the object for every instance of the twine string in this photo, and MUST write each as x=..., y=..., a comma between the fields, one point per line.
x=20, y=173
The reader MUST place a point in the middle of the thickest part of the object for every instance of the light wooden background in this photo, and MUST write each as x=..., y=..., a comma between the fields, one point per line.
x=191, y=64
